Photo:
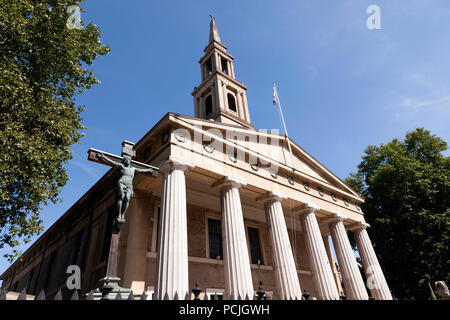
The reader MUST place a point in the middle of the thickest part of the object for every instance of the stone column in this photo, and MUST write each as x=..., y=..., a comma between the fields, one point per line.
x=288, y=286
x=337, y=280
x=240, y=106
x=217, y=61
x=238, y=277
x=375, y=278
x=172, y=261
x=353, y=282
x=320, y=265
x=247, y=114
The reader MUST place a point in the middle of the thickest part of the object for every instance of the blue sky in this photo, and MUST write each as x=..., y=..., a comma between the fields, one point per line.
x=343, y=87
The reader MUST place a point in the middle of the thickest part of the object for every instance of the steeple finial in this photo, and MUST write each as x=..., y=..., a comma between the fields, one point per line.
x=213, y=33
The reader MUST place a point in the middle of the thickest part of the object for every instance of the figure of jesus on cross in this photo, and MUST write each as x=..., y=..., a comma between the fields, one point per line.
x=127, y=172
x=124, y=184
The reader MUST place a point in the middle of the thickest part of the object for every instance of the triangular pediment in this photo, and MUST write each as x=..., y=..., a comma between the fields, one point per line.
x=270, y=147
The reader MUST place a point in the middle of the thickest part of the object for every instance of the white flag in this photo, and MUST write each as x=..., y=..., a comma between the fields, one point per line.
x=275, y=95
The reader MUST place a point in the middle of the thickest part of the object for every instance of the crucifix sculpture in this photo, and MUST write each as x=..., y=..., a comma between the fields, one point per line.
x=128, y=168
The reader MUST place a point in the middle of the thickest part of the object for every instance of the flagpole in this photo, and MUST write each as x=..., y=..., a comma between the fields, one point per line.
x=284, y=125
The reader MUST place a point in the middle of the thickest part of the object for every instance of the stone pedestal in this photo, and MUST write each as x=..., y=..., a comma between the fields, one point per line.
x=172, y=261
x=320, y=265
x=353, y=282
x=375, y=278
x=238, y=277
x=135, y=251
x=288, y=286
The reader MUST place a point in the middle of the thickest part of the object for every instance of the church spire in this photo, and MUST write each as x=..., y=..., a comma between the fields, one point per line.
x=213, y=33
x=220, y=97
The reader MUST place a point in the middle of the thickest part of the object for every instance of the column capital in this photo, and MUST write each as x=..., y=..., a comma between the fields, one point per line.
x=174, y=163
x=335, y=217
x=271, y=196
x=307, y=208
x=358, y=226
x=228, y=182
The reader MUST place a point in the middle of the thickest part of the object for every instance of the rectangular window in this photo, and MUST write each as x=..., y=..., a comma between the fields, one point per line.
x=215, y=239
x=255, y=247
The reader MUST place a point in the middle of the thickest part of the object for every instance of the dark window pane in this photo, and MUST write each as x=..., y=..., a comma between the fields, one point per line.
x=231, y=102
x=208, y=65
x=208, y=105
x=224, y=63
x=255, y=248
x=215, y=238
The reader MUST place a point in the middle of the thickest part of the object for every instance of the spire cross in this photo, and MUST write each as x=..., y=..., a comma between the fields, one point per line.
x=212, y=17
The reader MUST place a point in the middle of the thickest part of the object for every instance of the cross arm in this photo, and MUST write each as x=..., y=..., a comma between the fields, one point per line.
x=92, y=156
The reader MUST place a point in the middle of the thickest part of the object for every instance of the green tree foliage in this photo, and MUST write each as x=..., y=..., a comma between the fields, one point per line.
x=407, y=189
x=42, y=69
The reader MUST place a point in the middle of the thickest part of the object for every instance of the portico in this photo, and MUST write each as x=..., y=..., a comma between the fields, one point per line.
x=282, y=271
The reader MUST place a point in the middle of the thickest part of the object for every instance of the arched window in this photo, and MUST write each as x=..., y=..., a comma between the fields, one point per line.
x=208, y=106
x=231, y=102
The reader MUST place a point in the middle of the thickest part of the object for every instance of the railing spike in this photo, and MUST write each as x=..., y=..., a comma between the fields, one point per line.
x=22, y=295
x=58, y=295
x=143, y=296
x=175, y=297
x=118, y=296
x=75, y=295
x=40, y=296
x=3, y=294
x=131, y=295
x=90, y=295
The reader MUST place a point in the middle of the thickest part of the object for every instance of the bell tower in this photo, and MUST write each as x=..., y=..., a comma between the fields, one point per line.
x=220, y=96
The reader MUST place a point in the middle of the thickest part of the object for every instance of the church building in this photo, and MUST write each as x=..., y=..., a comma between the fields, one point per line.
x=230, y=207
